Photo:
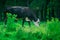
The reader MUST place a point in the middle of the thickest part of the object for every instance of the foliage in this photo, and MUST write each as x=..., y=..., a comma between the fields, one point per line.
x=49, y=30
x=54, y=29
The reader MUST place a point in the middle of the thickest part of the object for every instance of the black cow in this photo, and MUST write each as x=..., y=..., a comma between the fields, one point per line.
x=23, y=12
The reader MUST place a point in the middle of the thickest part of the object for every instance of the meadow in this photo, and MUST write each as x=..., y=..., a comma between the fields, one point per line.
x=49, y=30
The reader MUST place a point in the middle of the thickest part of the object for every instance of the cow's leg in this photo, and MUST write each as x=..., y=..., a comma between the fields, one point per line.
x=23, y=22
x=5, y=18
x=29, y=23
x=5, y=21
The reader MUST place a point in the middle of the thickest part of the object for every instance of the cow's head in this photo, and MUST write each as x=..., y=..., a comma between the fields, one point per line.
x=37, y=22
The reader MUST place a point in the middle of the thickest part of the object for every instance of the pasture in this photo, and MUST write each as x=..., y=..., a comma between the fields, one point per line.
x=49, y=30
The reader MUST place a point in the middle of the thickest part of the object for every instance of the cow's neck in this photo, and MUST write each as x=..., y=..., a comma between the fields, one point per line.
x=35, y=18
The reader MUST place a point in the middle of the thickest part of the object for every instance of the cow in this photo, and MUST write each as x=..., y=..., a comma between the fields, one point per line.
x=25, y=13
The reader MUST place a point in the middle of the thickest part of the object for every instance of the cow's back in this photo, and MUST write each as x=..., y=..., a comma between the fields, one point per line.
x=20, y=11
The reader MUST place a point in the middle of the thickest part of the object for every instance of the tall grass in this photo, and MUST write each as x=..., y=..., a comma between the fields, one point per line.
x=49, y=30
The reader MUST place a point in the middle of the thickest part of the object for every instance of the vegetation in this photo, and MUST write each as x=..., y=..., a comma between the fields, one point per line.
x=46, y=10
x=49, y=30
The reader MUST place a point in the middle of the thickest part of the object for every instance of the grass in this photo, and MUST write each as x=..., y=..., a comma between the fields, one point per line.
x=14, y=30
x=49, y=30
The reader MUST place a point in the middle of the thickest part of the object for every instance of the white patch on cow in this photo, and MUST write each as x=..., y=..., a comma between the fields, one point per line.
x=37, y=23
x=27, y=19
x=38, y=20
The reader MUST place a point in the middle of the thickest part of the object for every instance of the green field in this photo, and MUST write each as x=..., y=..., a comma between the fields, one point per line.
x=49, y=30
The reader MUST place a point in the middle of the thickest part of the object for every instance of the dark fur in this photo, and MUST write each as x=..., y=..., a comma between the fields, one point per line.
x=22, y=12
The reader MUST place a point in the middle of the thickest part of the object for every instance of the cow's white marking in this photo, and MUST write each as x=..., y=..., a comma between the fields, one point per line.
x=38, y=20
x=37, y=23
x=27, y=19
